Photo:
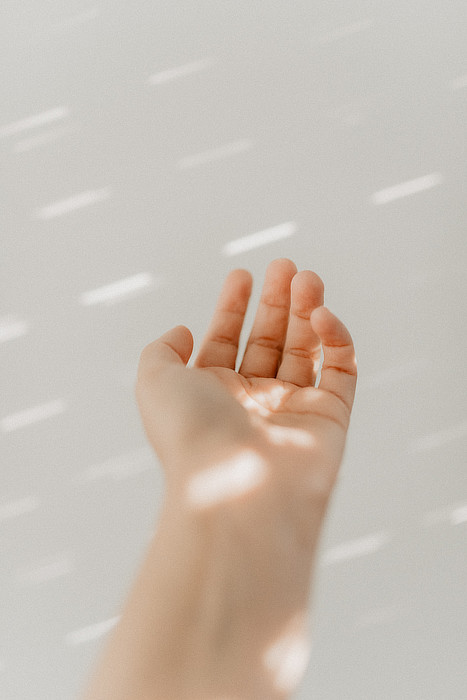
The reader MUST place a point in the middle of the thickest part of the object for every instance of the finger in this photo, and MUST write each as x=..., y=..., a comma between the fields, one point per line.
x=339, y=370
x=302, y=349
x=266, y=342
x=172, y=348
x=220, y=345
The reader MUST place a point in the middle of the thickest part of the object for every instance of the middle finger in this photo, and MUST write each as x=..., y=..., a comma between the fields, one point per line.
x=266, y=342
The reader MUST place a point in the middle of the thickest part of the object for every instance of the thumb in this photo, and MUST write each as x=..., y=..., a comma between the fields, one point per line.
x=173, y=348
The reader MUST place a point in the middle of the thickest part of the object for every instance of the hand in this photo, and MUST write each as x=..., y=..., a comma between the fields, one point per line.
x=197, y=417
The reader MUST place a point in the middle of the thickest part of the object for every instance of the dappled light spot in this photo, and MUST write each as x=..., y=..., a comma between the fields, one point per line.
x=267, y=400
x=226, y=480
x=280, y=435
x=288, y=657
x=251, y=405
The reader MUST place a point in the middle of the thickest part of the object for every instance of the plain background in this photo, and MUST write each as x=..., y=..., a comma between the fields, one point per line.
x=146, y=149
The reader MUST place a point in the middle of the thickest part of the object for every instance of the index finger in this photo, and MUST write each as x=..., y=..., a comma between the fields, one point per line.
x=220, y=344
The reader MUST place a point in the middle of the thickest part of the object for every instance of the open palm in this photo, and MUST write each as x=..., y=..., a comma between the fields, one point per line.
x=272, y=396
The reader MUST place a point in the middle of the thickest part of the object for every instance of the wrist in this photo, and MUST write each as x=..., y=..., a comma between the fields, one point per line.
x=251, y=586
x=207, y=645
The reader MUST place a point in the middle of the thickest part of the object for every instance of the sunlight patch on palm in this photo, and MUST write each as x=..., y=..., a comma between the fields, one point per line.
x=267, y=394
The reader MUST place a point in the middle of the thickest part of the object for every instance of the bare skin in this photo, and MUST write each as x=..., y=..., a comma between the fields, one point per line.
x=274, y=384
x=245, y=556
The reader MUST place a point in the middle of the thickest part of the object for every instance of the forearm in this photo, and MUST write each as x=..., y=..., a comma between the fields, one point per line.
x=189, y=626
x=146, y=653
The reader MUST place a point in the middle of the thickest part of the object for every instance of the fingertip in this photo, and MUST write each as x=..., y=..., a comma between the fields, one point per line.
x=284, y=262
x=242, y=276
x=329, y=327
x=185, y=329
x=180, y=340
x=186, y=337
x=318, y=312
